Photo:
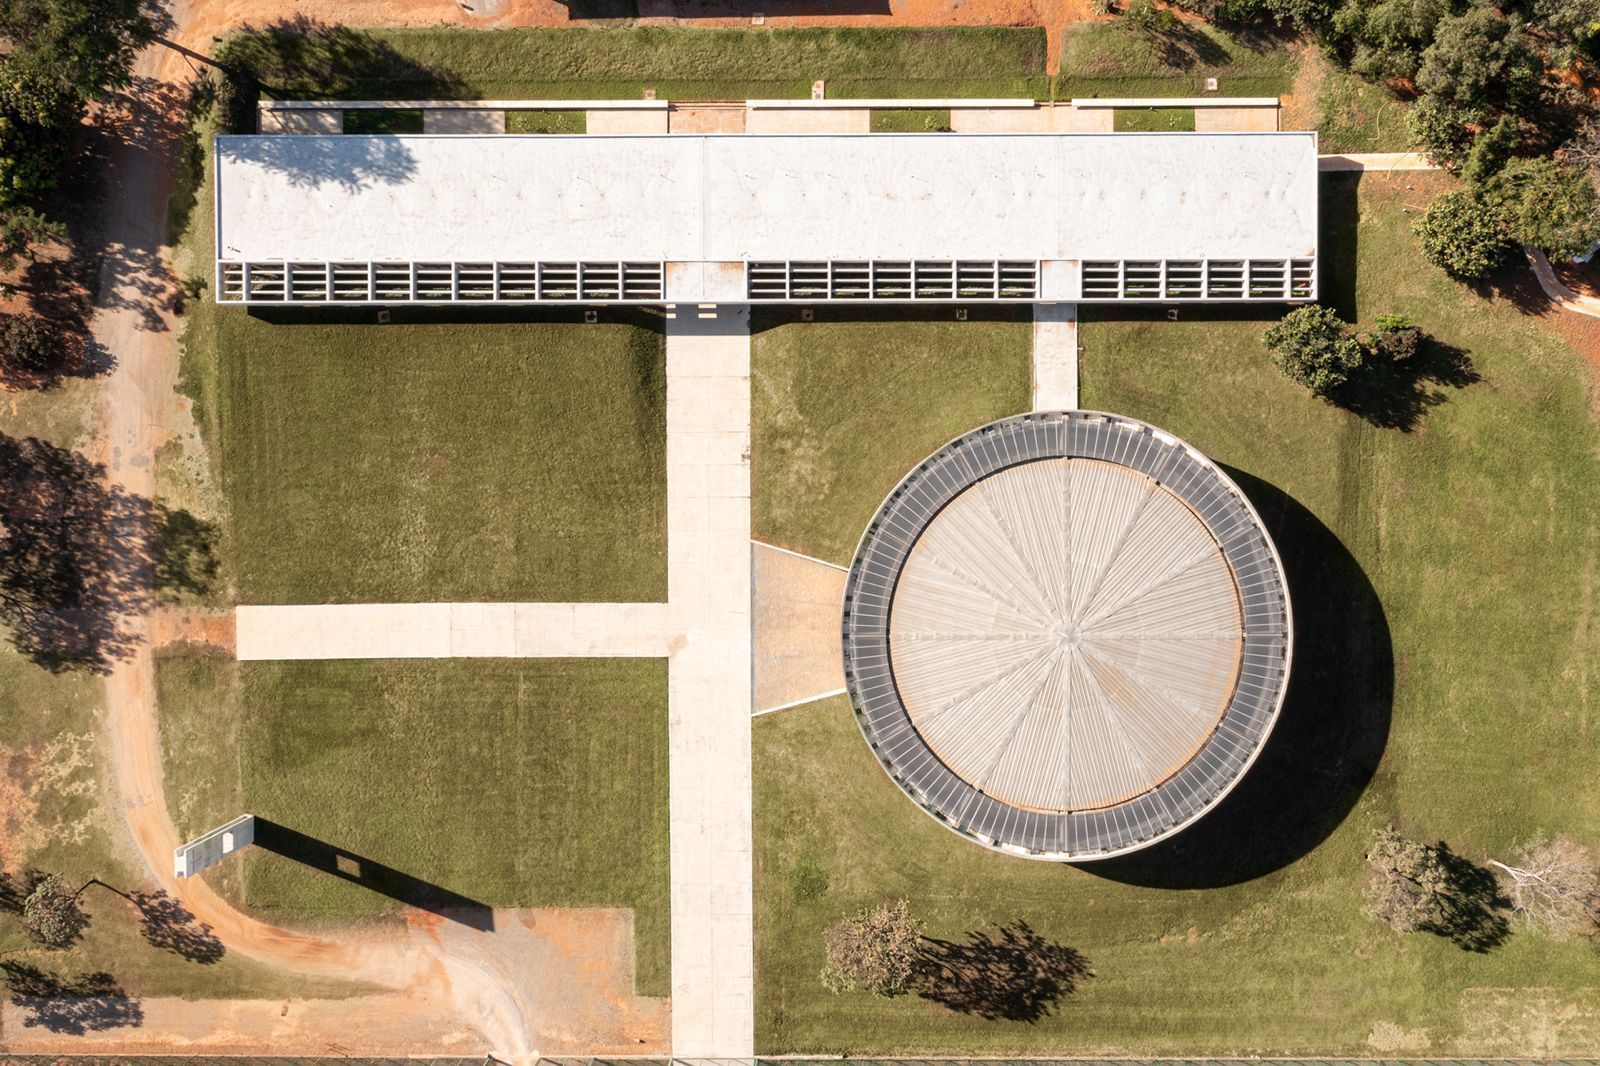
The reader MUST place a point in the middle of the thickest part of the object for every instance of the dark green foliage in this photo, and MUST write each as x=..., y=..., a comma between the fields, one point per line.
x=383, y=120
x=58, y=57
x=1395, y=337
x=1478, y=59
x=1442, y=131
x=1148, y=17
x=1313, y=346
x=1492, y=150
x=1386, y=39
x=1462, y=235
x=52, y=914
x=30, y=345
x=21, y=230
x=1546, y=205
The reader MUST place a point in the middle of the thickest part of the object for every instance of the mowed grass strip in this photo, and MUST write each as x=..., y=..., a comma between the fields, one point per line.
x=620, y=63
x=435, y=460
x=1443, y=579
x=1117, y=58
x=844, y=406
x=510, y=783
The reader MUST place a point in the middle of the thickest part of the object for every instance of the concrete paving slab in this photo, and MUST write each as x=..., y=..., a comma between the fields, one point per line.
x=1055, y=357
x=1236, y=119
x=611, y=120
x=808, y=120
x=451, y=630
x=709, y=683
x=462, y=120
x=798, y=601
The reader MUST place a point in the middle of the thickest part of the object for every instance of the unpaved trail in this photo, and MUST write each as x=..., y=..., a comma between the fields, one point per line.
x=489, y=982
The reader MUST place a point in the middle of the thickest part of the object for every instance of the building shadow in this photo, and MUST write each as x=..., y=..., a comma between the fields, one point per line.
x=70, y=1006
x=373, y=875
x=1329, y=737
x=1009, y=973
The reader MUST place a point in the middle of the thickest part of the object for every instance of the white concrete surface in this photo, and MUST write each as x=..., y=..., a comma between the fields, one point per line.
x=1055, y=357
x=768, y=196
x=709, y=686
x=1375, y=161
x=1174, y=101
x=461, y=120
x=451, y=630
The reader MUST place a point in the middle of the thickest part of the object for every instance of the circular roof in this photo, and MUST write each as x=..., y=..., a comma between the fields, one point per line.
x=1066, y=635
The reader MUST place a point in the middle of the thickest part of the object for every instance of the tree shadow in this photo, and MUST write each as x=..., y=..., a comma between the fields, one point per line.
x=1473, y=908
x=77, y=562
x=1397, y=393
x=304, y=58
x=1010, y=973
x=167, y=924
x=352, y=163
x=370, y=874
x=1183, y=47
x=1329, y=737
x=184, y=553
x=70, y=1006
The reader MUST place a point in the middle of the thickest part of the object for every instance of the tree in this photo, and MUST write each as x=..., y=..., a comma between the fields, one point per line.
x=1409, y=882
x=51, y=913
x=1479, y=59
x=1313, y=346
x=875, y=951
x=21, y=230
x=56, y=58
x=1553, y=884
x=1492, y=150
x=1462, y=235
x=1443, y=130
x=1547, y=205
x=29, y=345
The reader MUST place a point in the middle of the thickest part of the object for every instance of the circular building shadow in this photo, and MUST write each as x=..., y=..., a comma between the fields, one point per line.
x=1330, y=734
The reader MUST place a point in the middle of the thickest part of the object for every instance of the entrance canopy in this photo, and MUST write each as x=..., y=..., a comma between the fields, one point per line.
x=382, y=219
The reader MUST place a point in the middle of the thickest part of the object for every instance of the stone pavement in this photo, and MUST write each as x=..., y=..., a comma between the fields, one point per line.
x=1055, y=357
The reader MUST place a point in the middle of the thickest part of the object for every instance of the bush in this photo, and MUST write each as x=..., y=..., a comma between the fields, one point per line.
x=1546, y=205
x=1462, y=235
x=1148, y=17
x=51, y=913
x=1394, y=337
x=1313, y=346
x=30, y=344
x=875, y=951
x=1554, y=884
x=1442, y=131
x=1409, y=882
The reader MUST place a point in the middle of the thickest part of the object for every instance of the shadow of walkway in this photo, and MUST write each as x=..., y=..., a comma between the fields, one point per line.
x=1329, y=737
x=385, y=880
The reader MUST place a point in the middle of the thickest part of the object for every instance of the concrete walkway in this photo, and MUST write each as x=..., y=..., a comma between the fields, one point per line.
x=1375, y=161
x=451, y=630
x=708, y=682
x=1568, y=299
x=1055, y=357
x=798, y=604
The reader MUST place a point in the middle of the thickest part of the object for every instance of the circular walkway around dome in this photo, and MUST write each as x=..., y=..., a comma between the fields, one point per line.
x=1066, y=635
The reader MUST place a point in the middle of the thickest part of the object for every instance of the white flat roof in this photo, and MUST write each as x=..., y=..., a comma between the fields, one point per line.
x=721, y=198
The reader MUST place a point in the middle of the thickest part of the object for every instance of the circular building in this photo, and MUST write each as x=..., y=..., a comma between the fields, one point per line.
x=1066, y=635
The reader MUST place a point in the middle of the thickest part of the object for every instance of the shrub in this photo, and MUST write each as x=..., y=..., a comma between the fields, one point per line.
x=1555, y=885
x=29, y=344
x=1394, y=337
x=51, y=913
x=1442, y=131
x=1148, y=17
x=875, y=951
x=1462, y=235
x=1313, y=346
x=1409, y=882
x=1546, y=205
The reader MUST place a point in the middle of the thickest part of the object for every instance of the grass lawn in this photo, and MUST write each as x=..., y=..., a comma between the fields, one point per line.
x=1153, y=120
x=1443, y=580
x=1350, y=114
x=621, y=63
x=1117, y=59
x=54, y=818
x=430, y=460
x=506, y=782
x=842, y=407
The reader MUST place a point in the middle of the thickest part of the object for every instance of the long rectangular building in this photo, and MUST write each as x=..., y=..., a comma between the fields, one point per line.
x=342, y=219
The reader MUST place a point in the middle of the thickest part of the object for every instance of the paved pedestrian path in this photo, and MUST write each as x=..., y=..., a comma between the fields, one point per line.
x=1567, y=299
x=451, y=630
x=703, y=629
x=798, y=606
x=709, y=683
x=1375, y=161
x=1055, y=357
